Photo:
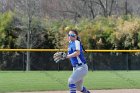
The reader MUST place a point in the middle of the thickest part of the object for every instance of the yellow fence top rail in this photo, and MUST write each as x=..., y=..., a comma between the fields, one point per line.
x=113, y=50
x=33, y=50
x=55, y=50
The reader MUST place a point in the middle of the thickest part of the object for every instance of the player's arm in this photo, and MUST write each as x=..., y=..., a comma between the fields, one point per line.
x=74, y=54
x=77, y=50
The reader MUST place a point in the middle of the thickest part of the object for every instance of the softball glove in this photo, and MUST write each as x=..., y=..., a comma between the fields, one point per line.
x=58, y=56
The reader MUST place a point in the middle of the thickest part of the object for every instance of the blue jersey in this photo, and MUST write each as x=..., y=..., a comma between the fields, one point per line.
x=73, y=46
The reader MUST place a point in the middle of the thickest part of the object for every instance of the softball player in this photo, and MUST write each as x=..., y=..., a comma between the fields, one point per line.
x=80, y=68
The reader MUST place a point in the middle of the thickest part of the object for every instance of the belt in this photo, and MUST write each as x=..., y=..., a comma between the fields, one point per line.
x=79, y=64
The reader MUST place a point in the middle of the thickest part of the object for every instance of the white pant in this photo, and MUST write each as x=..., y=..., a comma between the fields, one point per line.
x=77, y=76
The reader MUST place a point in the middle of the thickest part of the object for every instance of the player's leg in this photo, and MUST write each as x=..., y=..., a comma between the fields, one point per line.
x=76, y=76
x=71, y=82
x=84, y=90
x=72, y=86
x=80, y=87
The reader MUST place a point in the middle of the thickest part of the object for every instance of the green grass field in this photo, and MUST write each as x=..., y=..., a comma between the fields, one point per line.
x=53, y=80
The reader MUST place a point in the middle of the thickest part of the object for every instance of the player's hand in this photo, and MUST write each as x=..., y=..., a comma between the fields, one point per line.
x=59, y=56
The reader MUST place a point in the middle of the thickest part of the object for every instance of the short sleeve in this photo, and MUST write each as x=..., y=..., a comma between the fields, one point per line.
x=77, y=45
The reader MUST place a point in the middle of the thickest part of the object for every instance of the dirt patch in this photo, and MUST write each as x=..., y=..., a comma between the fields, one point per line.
x=93, y=91
x=117, y=91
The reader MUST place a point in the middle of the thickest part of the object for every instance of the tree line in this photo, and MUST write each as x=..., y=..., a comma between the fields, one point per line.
x=101, y=33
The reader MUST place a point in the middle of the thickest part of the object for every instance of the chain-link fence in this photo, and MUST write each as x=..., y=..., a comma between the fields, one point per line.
x=42, y=60
x=114, y=61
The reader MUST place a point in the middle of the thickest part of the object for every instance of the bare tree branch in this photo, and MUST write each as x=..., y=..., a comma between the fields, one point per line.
x=112, y=2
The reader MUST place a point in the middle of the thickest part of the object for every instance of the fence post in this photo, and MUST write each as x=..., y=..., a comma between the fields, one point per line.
x=127, y=61
x=58, y=66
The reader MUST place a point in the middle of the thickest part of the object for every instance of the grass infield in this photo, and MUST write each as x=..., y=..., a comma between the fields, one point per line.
x=11, y=81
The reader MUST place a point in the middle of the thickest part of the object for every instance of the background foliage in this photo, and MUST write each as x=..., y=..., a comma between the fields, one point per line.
x=44, y=24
